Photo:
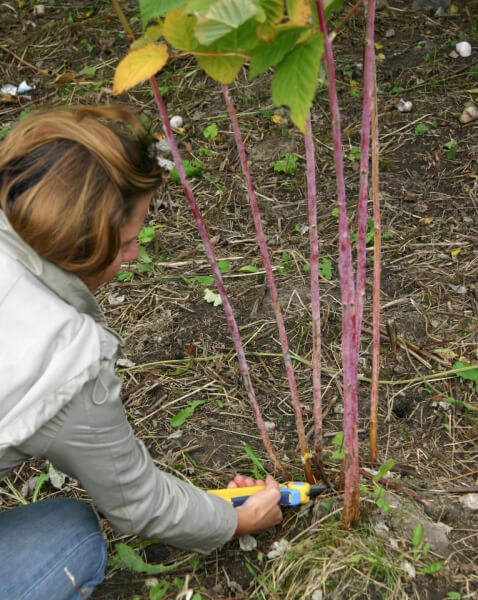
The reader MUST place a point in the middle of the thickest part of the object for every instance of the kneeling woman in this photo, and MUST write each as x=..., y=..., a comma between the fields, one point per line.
x=74, y=192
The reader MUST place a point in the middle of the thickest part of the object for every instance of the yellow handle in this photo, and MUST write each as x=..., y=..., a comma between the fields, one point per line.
x=293, y=493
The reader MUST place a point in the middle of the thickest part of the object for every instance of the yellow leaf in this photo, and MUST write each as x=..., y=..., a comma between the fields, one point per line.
x=380, y=56
x=454, y=10
x=456, y=252
x=378, y=46
x=299, y=11
x=139, y=65
x=277, y=119
x=266, y=32
x=427, y=220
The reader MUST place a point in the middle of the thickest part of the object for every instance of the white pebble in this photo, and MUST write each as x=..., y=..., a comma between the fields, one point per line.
x=469, y=114
x=404, y=105
x=247, y=543
x=463, y=49
x=176, y=122
x=270, y=426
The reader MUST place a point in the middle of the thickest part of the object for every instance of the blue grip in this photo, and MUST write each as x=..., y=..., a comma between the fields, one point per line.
x=287, y=498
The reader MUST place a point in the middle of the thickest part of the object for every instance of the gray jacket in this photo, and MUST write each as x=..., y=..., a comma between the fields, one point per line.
x=59, y=400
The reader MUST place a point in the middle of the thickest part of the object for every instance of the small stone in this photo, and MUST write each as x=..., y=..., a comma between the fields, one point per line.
x=404, y=105
x=165, y=163
x=470, y=113
x=409, y=569
x=470, y=501
x=39, y=10
x=247, y=543
x=57, y=478
x=453, y=54
x=463, y=49
x=163, y=146
x=278, y=548
x=317, y=595
x=151, y=582
x=176, y=122
x=125, y=363
x=114, y=300
x=390, y=32
x=270, y=426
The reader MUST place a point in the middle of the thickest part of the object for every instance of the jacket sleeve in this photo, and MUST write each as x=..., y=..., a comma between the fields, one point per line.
x=91, y=440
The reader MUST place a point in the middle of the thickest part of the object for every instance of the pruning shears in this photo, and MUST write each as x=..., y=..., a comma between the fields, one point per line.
x=292, y=493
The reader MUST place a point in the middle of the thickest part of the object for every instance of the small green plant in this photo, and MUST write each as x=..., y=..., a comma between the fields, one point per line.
x=451, y=147
x=210, y=132
x=353, y=154
x=146, y=234
x=325, y=268
x=252, y=268
x=369, y=235
x=193, y=168
x=128, y=557
x=421, y=129
x=286, y=164
x=183, y=415
x=159, y=591
x=258, y=468
x=124, y=275
x=89, y=71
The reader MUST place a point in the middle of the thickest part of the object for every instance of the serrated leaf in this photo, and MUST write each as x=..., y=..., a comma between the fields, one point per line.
x=212, y=297
x=133, y=561
x=149, y=9
x=222, y=17
x=295, y=79
x=139, y=65
x=204, y=279
x=152, y=34
x=268, y=55
x=472, y=374
x=183, y=415
x=89, y=71
x=178, y=30
x=221, y=68
x=210, y=132
x=274, y=13
x=299, y=11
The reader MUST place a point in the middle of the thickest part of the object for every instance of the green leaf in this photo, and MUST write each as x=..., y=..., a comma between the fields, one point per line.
x=384, y=469
x=223, y=69
x=325, y=268
x=338, y=441
x=287, y=164
x=212, y=297
x=183, y=415
x=89, y=71
x=152, y=34
x=222, y=17
x=143, y=256
x=4, y=131
x=224, y=266
x=147, y=234
x=44, y=477
x=192, y=169
x=149, y=9
x=204, y=279
x=434, y=567
x=157, y=592
x=135, y=563
x=210, y=132
x=249, y=269
x=178, y=30
x=454, y=595
x=417, y=537
x=455, y=402
x=295, y=79
x=124, y=275
x=256, y=461
x=472, y=374
x=267, y=55
x=421, y=129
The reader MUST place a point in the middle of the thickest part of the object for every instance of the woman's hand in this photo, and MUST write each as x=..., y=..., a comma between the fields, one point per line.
x=261, y=510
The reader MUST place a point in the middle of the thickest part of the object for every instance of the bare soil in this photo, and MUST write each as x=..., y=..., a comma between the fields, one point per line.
x=179, y=345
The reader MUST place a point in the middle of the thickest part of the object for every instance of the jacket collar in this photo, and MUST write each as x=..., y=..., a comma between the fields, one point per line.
x=67, y=286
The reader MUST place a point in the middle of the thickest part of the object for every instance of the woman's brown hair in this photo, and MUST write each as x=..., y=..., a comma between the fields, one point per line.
x=69, y=182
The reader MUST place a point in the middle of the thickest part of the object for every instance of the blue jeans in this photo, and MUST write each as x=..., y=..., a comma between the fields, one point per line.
x=38, y=541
